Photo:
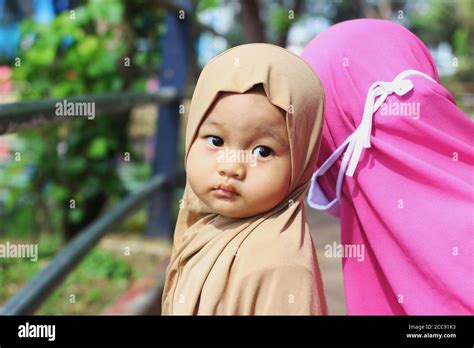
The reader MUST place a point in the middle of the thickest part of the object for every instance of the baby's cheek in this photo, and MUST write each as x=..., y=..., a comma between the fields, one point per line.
x=198, y=168
x=269, y=184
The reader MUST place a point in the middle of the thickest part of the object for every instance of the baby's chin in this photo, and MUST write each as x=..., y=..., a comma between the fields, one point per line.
x=232, y=210
x=236, y=208
x=228, y=209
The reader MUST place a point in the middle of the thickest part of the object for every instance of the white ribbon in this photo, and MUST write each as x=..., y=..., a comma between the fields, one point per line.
x=376, y=96
x=359, y=139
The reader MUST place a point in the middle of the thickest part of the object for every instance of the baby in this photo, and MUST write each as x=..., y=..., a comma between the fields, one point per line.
x=242, y=243
x=241, y=121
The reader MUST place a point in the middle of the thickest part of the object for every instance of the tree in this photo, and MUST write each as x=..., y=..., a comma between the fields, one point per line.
x=83, y=51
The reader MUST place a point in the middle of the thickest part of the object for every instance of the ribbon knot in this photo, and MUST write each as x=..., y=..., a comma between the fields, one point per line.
x=376, y=96
x=358, y=140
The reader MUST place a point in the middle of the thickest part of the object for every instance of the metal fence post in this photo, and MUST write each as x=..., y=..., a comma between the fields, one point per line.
x=175, y=45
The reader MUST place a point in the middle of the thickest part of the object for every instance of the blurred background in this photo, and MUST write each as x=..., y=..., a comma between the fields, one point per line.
x=99, y=196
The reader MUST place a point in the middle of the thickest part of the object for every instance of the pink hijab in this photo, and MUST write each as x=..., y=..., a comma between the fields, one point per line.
x=409, y=203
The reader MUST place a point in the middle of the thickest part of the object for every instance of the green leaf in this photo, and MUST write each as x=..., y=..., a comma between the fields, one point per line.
x=98, y=148
x=109, y=10
x=43, y=57
x=75, y=165
x=58, y=192
x=279, y=19
x=75, y=215
x=88, y=46
x=207, y=4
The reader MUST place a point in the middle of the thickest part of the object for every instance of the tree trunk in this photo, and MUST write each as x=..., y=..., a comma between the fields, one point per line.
x=252, y=25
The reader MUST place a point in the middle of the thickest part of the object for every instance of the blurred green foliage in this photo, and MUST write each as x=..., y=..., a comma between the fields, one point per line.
x=451, y=22
x=82, y=51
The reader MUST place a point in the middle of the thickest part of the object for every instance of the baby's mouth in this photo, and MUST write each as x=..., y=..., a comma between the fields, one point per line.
x=225, y=191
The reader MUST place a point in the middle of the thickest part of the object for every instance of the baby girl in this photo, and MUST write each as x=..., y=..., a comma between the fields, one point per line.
x=242, y=244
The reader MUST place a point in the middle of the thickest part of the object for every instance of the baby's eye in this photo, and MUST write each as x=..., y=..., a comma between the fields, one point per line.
x=215, y=141
x=262, y=151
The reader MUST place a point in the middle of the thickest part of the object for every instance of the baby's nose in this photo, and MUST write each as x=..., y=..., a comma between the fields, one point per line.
x=232, y=170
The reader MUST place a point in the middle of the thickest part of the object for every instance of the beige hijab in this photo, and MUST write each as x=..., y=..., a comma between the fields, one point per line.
x=265, y=264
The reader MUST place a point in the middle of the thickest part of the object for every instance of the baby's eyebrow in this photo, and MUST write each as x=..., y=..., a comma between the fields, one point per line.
x=211, y=123
x=270, y=133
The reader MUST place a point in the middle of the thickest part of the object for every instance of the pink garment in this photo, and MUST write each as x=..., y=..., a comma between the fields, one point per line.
x=410, y=202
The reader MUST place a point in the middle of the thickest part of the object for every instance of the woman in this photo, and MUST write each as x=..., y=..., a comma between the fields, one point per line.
x=396, y=166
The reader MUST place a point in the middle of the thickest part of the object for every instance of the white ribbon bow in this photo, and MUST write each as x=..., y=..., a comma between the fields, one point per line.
x=357, y=141
x=378, y=93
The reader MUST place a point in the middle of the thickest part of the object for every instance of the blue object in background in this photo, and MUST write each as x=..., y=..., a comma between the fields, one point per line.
x=9, y=40
x=43, y=11
x=11, y=15
x=173, y=73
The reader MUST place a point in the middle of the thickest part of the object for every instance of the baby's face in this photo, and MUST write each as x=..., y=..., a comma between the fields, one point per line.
x=239, y=163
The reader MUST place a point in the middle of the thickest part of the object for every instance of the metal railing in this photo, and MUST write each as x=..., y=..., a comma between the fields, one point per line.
x=24, y=115
x=31, y=114
x=32, y=295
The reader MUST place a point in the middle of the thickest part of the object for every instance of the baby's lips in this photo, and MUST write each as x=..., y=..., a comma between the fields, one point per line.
x=226, y=187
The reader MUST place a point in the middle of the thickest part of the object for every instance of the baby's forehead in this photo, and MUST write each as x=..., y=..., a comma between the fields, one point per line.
x=249, y=109
x=253, y=106
x=246, y=115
